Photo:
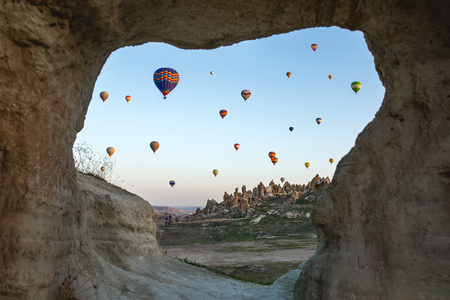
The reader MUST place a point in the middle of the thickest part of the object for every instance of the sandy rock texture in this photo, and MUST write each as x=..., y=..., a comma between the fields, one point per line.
x=385, y=221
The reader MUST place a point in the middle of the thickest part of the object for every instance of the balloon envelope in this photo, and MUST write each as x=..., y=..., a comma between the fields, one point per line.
x=102, y=168
x=331, y=160
x=274, y=160
x=154, y=146
x=223, y=113
x=246, y=94
x=166, y=79
x=172, y=183
x=291, y=128
x=212, y=73
x=356, y=86
x=330, y=76
x=288, y=74
x=104, y=96
x=215, y=172
x=314, y=47
x=237, y=146
x=110, y=151
x=307, y=164
x=128, y=98
x=319, y=120
x=282, y=179
x=272, y=154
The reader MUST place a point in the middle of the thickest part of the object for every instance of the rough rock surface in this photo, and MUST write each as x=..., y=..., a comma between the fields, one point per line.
x=385, y=223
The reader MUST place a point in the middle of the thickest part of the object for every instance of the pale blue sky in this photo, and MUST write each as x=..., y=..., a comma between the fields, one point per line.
x=195, y=140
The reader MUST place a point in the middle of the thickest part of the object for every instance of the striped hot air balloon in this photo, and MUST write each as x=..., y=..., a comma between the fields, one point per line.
x=274, y=160
x=223, y=113
x=154, y=146
x=166, y=79
x=272, y=154
x=172, y=183
x=246, y=94
x=356, y=86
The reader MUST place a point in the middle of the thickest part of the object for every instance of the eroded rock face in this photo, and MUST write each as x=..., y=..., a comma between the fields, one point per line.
x=385, y=223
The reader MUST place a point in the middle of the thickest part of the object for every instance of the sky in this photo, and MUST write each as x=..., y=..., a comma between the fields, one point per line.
x=195, y=140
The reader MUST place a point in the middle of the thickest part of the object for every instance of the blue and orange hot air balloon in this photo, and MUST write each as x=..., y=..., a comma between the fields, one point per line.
x=166, y=79
x=172, y=183
x=223, y=113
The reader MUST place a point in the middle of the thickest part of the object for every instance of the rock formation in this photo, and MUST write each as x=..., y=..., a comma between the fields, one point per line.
x=385, y=220
x=238, y=204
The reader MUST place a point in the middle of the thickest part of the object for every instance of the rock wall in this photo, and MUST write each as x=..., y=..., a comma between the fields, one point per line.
x=386, y=238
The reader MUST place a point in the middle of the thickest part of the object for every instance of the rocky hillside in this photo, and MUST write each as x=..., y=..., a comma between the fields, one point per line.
x=244, y=203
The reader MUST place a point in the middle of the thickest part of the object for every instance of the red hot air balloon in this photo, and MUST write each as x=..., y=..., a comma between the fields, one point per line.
x=288, y=74
x=223, y=113
x=237, y=146
x=128, y=98
x=314, y=47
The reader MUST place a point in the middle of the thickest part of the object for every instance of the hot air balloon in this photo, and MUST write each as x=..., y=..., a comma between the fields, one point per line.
x=103, y=169
x=166, y=79
x=223, y=113
x=307, y=164
x=128, y=98
x=110, y=151
x=246, y=94
x=319, y=120
x=154, y=146
x=274, y=160
x=291, y=128
x=172, y=183
x=288, y=74
x=237, y=146
x=331, y=160
x=282, y=179
x=215, y=172
x=272, y=154
x=314, y=47
x=330, y=76
x=104, y=95
x=356, y=86
x=212, y=73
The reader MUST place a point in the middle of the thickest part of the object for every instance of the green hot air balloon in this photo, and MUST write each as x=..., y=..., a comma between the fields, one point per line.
x=356, y=86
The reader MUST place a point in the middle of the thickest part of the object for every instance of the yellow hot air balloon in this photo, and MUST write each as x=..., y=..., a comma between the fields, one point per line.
x=154, y=146
x=128, y=98
x=110, y=151
x=102, y=168
x=307, y=164
x=215, y=172
x=104, y=95
x=330, y=76
x=331, y=160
